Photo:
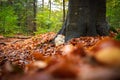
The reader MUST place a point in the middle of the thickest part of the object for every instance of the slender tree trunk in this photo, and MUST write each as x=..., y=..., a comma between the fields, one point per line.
x=42, y=4
x=35, y=12
x=50, y=9
x=85, y=18
x=26, y=15
x=63, y=10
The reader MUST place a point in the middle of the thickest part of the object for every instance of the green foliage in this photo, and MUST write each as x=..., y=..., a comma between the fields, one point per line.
x=8, y=20
x=113, y=13
x=24, y=11
x=48, y=21
x=118, y=36
x=17, y=16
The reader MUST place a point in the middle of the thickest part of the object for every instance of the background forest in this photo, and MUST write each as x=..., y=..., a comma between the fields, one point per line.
x=28, y=17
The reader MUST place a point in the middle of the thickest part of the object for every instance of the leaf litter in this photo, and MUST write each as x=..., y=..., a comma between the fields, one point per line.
x=37, y=58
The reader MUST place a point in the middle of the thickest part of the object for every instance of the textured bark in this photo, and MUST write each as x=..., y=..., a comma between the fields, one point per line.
x=101, y=23
x=85, y=18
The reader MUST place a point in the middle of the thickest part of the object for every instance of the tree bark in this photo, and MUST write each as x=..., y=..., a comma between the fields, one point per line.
x=34, y=14
x=42, y=4
x=101, y=23
x=50, y=7
x=63, y=10
x=85, y=18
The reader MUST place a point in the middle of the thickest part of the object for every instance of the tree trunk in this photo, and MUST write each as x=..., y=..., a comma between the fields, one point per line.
x=50, y=7
x=63, y=10
x=101, y=23
x=85, y=18
x=34, y=14
x=42, y=4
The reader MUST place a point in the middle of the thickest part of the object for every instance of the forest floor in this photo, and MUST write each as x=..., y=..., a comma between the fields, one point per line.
x=37, y=58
